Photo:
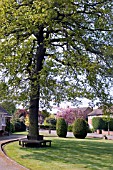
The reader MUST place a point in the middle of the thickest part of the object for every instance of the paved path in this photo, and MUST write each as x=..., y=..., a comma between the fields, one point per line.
x=89, y=135
x=95, y=135
x=5, y=162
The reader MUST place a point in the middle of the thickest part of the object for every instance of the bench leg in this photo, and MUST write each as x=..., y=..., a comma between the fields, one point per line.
x=23, y=144
x=19, y=142
x=49, y=143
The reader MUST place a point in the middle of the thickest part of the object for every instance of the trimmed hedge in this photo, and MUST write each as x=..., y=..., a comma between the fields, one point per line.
x=80, y=128
x=61, y=127
x=100, y=123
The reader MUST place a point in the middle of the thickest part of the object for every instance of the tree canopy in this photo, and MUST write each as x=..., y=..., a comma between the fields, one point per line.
x=56, y=50
x=9, y=106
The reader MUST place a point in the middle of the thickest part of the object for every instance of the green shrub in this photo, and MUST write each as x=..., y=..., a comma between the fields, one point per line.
x=61, y=127
x=20, y=126
x=101, y=123
x=17, y=127
x=12, y=128
x=51, y=120
x=70, y=128
x=80, y=128
x=7, y=128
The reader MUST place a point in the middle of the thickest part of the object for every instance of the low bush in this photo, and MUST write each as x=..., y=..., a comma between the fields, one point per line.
x=61, y=127
x=80, y=128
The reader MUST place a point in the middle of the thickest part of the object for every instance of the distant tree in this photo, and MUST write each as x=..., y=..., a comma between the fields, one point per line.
x=51, y=120
x=45, y=113
x=9, y=106
x=108, y=112
x=18, y=119
x=21, y=112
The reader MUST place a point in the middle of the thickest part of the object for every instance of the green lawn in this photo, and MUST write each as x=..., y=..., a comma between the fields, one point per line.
x=65, y=154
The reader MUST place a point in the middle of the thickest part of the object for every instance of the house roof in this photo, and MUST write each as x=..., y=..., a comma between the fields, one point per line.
x=96, y=112
x=4, y=112
x=99, y=111
x=83, y=108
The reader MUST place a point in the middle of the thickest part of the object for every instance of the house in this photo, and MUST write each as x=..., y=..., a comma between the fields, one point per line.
x=96, y=113
x=4, y=118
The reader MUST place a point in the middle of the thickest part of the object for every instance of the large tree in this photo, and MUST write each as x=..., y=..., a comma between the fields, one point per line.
x=55, y=50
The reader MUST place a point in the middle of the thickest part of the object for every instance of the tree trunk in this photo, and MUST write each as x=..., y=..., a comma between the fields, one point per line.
x=33, y=117
x=35, y=89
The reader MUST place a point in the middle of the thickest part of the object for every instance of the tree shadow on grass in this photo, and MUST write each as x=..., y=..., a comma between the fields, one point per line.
x=93, y=154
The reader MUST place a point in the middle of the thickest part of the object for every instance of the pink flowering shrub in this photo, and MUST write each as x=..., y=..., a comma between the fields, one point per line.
x=71, y=114
x=67, y=114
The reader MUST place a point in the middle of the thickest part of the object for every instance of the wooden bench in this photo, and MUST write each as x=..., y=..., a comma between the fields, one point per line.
x=34, y=143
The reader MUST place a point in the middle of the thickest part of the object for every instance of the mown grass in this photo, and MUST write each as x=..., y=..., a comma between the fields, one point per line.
x=65, y=154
